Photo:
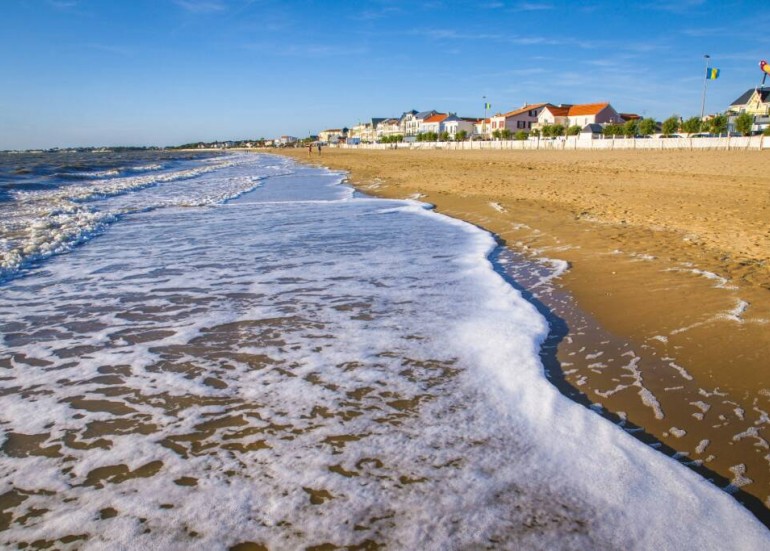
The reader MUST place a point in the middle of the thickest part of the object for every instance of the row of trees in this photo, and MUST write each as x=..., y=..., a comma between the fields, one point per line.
x=461, y=136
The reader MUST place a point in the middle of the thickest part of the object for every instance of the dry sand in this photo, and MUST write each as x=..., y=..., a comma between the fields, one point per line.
x=667, y=298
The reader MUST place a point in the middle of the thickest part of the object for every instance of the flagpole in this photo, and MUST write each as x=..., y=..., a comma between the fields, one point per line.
x=484, y=122
x=705, y=81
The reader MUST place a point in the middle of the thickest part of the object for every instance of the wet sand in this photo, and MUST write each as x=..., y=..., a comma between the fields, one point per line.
x=667, y=297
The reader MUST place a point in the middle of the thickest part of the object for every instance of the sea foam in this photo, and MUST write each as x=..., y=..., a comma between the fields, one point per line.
x=302, y=367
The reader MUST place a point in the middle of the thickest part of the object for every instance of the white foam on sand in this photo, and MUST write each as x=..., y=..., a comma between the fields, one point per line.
x=299, y=373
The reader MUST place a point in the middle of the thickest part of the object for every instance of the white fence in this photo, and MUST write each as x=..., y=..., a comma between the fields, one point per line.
x=572, y=143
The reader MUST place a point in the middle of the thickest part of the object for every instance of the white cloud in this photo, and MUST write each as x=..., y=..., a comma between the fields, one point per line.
x=534, y=6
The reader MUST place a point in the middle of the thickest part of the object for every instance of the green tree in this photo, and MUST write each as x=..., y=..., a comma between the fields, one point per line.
x=670, y=125
x=647, y=126
x=535, y=133
x=692, y=125
x=444, y=137
x=766, y=131
x=505, y=134
x=573, y=130
x=546, y=131
x=496, y=134
x=557, y=130
x=461, y=135
x=613, y=130
x=521, y=135
x=743, y=123
x=718, y=124
x=631, y=128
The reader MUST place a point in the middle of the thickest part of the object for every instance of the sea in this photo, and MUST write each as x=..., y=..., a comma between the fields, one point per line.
x=238, y=351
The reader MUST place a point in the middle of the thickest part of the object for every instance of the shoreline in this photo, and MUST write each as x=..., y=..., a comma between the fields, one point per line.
x=666, y=295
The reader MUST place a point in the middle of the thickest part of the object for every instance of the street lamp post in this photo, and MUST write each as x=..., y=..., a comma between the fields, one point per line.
x=705, y=82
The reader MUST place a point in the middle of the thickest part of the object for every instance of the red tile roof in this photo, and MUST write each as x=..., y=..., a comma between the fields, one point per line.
x=523, y=110
x=436, y=118
x=587, y=109
x=558, y=111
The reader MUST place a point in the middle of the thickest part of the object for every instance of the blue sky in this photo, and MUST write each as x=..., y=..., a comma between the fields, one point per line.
x=165, y=72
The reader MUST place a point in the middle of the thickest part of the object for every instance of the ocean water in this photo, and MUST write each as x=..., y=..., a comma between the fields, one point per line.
x=241, y=349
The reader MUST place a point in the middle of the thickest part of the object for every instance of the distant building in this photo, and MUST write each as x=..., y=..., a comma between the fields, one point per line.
x=482, y=127
x=387, y=128
x=521, y=119
x=754, y=101
x=630, y=117
x=330, y=135
x=287, y=140
x=454, y=124
x=411, y=121
x=364, y=132
x=578, y=115
x=551, y=115
x=591, y=131
x=434, y=123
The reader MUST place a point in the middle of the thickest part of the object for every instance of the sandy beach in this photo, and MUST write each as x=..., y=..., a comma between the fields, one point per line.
x=666, y=295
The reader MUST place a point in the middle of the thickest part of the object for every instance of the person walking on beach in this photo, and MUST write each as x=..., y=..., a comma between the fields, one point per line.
x=310, y=150
x=319, y=148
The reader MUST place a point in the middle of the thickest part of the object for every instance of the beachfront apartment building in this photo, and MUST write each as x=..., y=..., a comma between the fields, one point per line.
x=364, y=132
x=387, y=128
x=411, y=121
x=522, y=119
x=330, y=135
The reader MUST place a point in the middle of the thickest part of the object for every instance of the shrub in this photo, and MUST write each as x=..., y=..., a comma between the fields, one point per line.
x=573, y=130
x=691, y=125
x=631, y=128
x=718, y=124
x=647, y=126
x=743, y=123
x=670, y=125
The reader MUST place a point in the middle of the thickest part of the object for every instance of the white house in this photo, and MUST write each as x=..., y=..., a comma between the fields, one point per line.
x=578, y=115
x=593, y=113
x=411, y=121
x=454, y=124
x=433, y=123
